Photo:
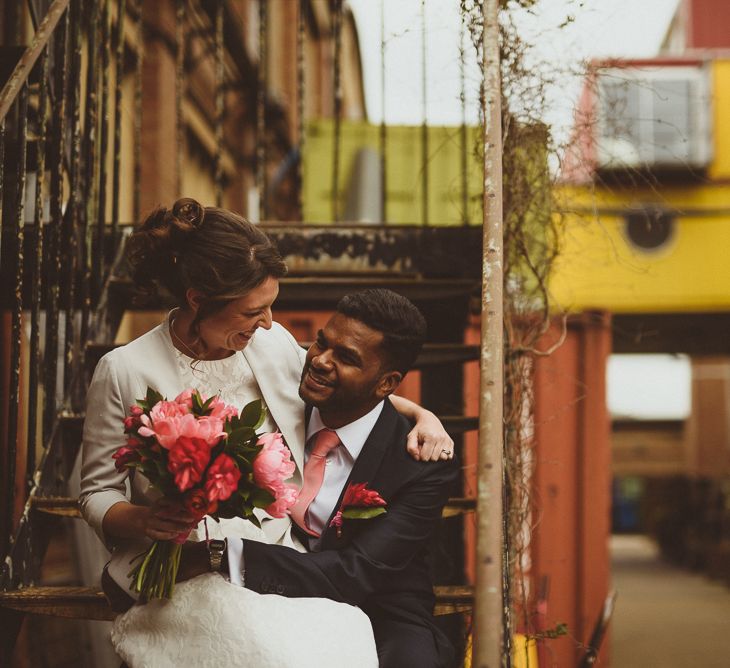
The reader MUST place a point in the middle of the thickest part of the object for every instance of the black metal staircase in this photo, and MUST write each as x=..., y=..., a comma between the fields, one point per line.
x=64, y=279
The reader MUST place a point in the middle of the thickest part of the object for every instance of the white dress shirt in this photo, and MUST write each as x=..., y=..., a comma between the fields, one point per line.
x=338, y=466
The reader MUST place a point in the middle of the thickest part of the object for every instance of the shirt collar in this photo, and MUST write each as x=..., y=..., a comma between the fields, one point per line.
x=353, y=435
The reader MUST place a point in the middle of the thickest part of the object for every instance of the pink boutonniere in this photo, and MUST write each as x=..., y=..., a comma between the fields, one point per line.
x=358, y=503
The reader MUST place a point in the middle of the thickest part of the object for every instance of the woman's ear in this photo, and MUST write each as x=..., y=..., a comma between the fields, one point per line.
x=194, y=299
x=388, y=383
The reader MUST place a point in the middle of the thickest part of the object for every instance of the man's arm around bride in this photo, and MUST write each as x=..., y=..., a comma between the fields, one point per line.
x=378, y=564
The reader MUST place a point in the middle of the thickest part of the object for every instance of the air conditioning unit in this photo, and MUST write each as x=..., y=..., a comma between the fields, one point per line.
x=658, y=118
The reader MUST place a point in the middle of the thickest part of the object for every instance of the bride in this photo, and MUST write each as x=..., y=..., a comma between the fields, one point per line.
x=221, y=340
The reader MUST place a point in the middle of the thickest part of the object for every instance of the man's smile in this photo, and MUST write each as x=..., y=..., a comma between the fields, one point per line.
x=316, y=381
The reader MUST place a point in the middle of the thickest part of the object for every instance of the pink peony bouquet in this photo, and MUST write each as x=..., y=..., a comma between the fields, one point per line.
x=206, y=458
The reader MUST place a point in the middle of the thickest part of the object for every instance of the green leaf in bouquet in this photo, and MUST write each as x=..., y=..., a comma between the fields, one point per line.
x=208, y=402
x=153, y=397
x=245, y=494
x=261, y=498
x=226, y=510
x=241, y=436
x=253, y=414
x=243, y=465
x=362, y=513
x=197, y=403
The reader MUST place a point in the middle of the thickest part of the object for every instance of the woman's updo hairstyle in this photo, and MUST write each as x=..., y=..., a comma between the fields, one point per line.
x=208, y=249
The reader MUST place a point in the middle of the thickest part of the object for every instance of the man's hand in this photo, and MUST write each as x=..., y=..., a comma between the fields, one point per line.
x=428, y=440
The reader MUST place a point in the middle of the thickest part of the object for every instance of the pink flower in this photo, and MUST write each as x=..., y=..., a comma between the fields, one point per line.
x=133, y=421
x=187, y=460
x=166, y=409
x=285, y=498
x=273, y=464
x=185, y=399
x=125, y=456
x=166, y=429
x=209, y=428
x=222, y=479
x=222, y=410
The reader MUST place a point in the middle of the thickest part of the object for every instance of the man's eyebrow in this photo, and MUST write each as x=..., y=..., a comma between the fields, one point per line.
x=352, y=352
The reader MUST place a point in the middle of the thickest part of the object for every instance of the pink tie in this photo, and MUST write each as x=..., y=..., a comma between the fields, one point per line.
x=325, y=441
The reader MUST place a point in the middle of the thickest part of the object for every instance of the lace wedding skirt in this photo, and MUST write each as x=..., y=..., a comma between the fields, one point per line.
x=210, y=622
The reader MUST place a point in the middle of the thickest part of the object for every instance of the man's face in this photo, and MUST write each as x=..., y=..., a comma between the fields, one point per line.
x=344, y=374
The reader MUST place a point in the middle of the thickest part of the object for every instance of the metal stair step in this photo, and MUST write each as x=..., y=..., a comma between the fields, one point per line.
x=459, y=424
x=70, y=602
x=69, y=507
x=459, y=505
x=452, y=599
x=321, y=293
x=90, y=602
x=56, y=505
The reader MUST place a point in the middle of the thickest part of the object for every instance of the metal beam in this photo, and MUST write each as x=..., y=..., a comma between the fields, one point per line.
x=488, y=601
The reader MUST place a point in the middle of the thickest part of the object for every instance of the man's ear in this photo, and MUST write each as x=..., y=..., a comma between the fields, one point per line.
x=388, y=383
x=194, y=298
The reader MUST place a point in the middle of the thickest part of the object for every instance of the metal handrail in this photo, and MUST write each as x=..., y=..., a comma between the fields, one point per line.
x=30, y=56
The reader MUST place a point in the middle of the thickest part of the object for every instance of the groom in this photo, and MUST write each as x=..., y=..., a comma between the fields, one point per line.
x=354, y=435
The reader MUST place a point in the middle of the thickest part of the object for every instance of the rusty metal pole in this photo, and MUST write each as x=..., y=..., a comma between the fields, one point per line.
x=488, y=594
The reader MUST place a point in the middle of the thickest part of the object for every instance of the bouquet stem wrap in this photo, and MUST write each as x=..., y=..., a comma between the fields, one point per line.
x=155, y=574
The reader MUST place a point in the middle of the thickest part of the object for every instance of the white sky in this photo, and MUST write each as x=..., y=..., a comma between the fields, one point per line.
x=563, y=35
x=649, y=386
x=598, y=28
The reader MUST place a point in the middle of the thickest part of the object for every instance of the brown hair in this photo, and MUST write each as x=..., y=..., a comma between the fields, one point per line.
x=208, y=249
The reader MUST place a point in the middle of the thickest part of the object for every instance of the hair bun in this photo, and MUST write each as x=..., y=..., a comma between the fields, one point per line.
x=188, y=210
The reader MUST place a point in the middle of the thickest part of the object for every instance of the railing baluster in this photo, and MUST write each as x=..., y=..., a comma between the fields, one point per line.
x=180, y=15
x=2, y=176
x=138, y=113
x=53, y=264
x=337, y=110
x=97, y=259
x=424, y=125
x=18, y=224
x=301, y=107
x=91, y=161
x=261, y=97
x=220, y=109
x=71, y=220
x=118, y=80
x=34, y=373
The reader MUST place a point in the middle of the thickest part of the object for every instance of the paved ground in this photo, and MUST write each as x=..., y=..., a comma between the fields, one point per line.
x=665, y=617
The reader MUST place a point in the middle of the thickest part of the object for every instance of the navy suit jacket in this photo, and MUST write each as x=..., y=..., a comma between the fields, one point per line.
x=378, y=564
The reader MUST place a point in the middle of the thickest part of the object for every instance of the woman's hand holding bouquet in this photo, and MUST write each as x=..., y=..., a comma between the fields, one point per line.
x=206, y=459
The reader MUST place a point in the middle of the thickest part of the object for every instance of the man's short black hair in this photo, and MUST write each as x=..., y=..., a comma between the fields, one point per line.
x=401, y=323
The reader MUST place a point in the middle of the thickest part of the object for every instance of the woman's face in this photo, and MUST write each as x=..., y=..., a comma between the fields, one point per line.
x=231, y=328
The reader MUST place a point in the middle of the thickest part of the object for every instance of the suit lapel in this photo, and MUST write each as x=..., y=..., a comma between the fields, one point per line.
x=279, y=393
x=367, y=464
